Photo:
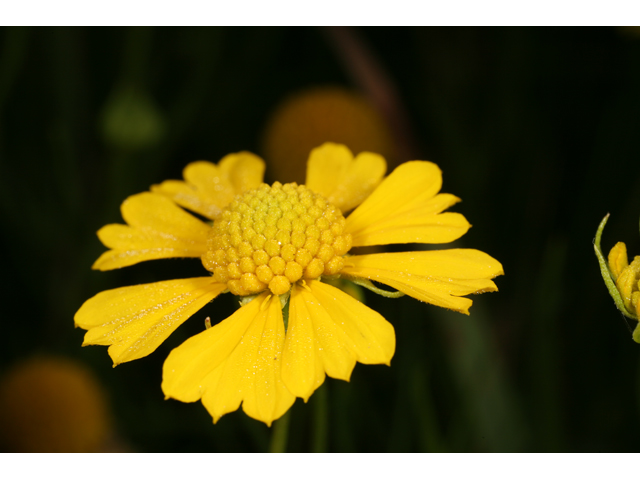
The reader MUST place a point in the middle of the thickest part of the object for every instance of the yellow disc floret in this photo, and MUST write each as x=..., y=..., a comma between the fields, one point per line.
x=273, y=236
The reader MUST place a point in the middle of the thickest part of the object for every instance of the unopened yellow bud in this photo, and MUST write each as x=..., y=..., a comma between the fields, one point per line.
x=621, y=278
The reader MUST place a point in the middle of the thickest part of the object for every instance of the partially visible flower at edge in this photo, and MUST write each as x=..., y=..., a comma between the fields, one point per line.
x=272, y=246
x=621, y=278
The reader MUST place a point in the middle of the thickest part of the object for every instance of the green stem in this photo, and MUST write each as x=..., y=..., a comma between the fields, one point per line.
x=136, y=55
x=363, y=282
x=279, y=434
x=426, y=416
x=320, y=419
x=12, y=59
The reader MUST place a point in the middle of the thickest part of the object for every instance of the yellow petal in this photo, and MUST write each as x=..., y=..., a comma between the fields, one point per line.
x=135, y=320
x=236, y=361
x=157, y=228
x=405, y=209
x=627, y=282
x=267, y=398
x=438, y=277
x=618, y=259
x=314, y=344
x=635, y=301
x=344, y=181
x=187, y=365
x=209, y=188
x=373, y=339
x=328, y=331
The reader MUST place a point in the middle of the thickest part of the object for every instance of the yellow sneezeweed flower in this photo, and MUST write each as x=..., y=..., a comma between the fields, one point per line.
x=273, y=246
x=621, y=277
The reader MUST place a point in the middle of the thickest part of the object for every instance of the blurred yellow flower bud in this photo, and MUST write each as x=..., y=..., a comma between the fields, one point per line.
x=621, y=277
x=51, y=404
x=630, y=32
x=318, y=115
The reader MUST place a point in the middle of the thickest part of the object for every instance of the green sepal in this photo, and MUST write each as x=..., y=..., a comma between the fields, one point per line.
x=608, y=278
x=284, y=301
x=246, y=299
x=363, y=282
x=636, y=334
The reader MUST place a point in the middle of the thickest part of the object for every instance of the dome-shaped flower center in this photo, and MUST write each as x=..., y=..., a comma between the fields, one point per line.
x=273, y=236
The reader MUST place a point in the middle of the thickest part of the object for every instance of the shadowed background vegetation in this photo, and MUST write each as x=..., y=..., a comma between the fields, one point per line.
x=535, y=129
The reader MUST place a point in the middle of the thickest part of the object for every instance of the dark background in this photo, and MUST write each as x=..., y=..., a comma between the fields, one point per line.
x=537, y=130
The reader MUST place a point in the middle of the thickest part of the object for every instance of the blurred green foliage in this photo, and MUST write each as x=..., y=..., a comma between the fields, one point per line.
x=535, y=129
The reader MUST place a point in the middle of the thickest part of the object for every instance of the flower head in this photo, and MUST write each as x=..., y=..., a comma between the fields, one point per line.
x=621, y=277
x=273, y=246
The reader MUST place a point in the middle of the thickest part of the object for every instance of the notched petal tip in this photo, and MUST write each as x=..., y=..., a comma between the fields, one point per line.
x=329, y=331
x=135, y=320
x=156, y=228
x=234, y=363
x=345, y=181
x=465, y=311
x=407, y=208
x=208, y=188
x=438, y=277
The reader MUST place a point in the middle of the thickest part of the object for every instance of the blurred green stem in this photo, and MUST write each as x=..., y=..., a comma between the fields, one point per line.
x=496, y=419
x=136, y=55
x=280, y=434
x=320, y=419
x=546, y=366
x=12, y=58
x=429, y=437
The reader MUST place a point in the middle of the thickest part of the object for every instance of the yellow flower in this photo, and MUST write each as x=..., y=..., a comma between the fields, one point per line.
x=272, y=245
x=621, y=277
